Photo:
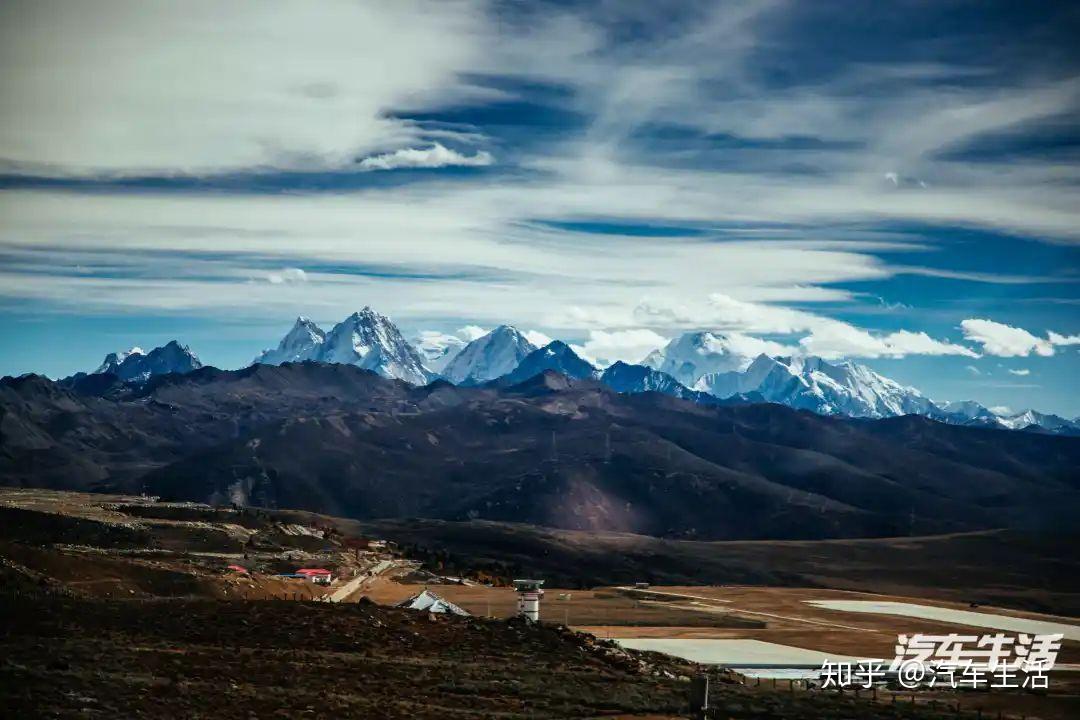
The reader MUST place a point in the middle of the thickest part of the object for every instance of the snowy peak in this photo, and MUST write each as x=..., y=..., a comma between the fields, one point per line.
x=811, y=383
x=137, y=366
x=1043, y=421
x=763, y=371
x=113, y=360
x=556, y=356
x=371, y=341
x=489, y=356
x=438, y=349
x=963, y=412
x=626, y=378
x=691, y=355
x=302, y=342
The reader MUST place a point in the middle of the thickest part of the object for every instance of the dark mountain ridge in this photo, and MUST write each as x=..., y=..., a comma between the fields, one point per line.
x=551, y=450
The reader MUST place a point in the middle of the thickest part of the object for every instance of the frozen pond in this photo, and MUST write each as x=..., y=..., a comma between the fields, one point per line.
x=949, y=615
x=735, y=653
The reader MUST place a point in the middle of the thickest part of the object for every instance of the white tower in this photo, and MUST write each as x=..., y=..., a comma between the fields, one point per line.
x=529, y=594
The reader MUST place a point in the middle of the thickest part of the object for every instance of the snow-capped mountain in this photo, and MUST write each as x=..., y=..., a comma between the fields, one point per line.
x=810, y=383
x=488, y=357
x=303, y=342
x=556, y=356
x=137, y=366
x=969, y=412
x=438, y=349
x=965, y=412
x=1045, y=421
x=626, y=378
x=691, y=355
x=699, y=366
x=113, y=360
x=370, y=341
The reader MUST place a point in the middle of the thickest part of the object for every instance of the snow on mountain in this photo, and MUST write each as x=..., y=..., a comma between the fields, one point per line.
x=1028, y=418
x=303, y=342
x=557, y=356
x=810, y=383
x=113, y=360
x=488, y=357
x=966, y=408
x=966, y=412
x=969, y=412
x=698, y=366
x=137, y=366
x=691, y=355
x=626, y=378
x=438, y=349
x=370, y=341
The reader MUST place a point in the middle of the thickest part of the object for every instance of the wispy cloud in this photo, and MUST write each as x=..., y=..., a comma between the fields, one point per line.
x=604, y=348
x=1007, y=341
x=777, y=174
x=287, y=276
x=435, y=156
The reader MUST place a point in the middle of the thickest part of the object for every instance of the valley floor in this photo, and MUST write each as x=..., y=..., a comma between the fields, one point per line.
x=118, y=606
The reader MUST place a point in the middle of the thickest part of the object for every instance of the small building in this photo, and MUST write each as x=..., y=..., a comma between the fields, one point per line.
x=433, y=603
x=319, y=576
x=529, y=594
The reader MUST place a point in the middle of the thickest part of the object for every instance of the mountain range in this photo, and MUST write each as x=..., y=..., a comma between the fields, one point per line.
x=552, y=450
x=700, y=366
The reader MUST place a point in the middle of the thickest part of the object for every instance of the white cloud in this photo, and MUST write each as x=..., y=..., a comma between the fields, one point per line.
x=433, y=341
x=822, y=335
x=602, y=348
x=128, y=86
x=973, y=370
x=287, y=276
x=834, y=339
x=537, y=338
x=472, y=332
x=1022, y=372
x=1007, y=341
x=436, y=156
x=1058, y=339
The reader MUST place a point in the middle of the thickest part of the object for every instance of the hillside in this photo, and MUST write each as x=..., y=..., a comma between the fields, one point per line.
x=551, y=451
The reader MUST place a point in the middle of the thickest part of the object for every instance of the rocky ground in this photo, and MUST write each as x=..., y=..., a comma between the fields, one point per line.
x=65, y=656
x=121, y=607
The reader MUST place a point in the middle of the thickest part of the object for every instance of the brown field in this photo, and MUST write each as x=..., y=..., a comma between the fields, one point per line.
x=111, y=558
x=776, y=615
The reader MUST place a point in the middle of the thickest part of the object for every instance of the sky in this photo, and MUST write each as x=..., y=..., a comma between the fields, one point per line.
x=893, y=183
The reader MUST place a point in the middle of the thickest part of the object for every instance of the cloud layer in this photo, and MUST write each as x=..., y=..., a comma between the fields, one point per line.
x=1007, y=341
x=435, y=156
x=703, y=166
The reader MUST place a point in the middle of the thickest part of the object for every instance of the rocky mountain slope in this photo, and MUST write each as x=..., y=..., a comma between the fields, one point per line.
x=550, y=451
x=137, y=366
x=303, y=342
x=489, y=357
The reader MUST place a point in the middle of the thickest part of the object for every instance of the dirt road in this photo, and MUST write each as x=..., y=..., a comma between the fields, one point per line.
x=355, y=584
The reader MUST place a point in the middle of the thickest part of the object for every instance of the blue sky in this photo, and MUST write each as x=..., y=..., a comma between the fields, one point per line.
x=894, y=183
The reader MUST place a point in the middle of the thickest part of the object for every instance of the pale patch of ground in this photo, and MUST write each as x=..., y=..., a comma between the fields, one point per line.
x=950, y=615
x=734, y=652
